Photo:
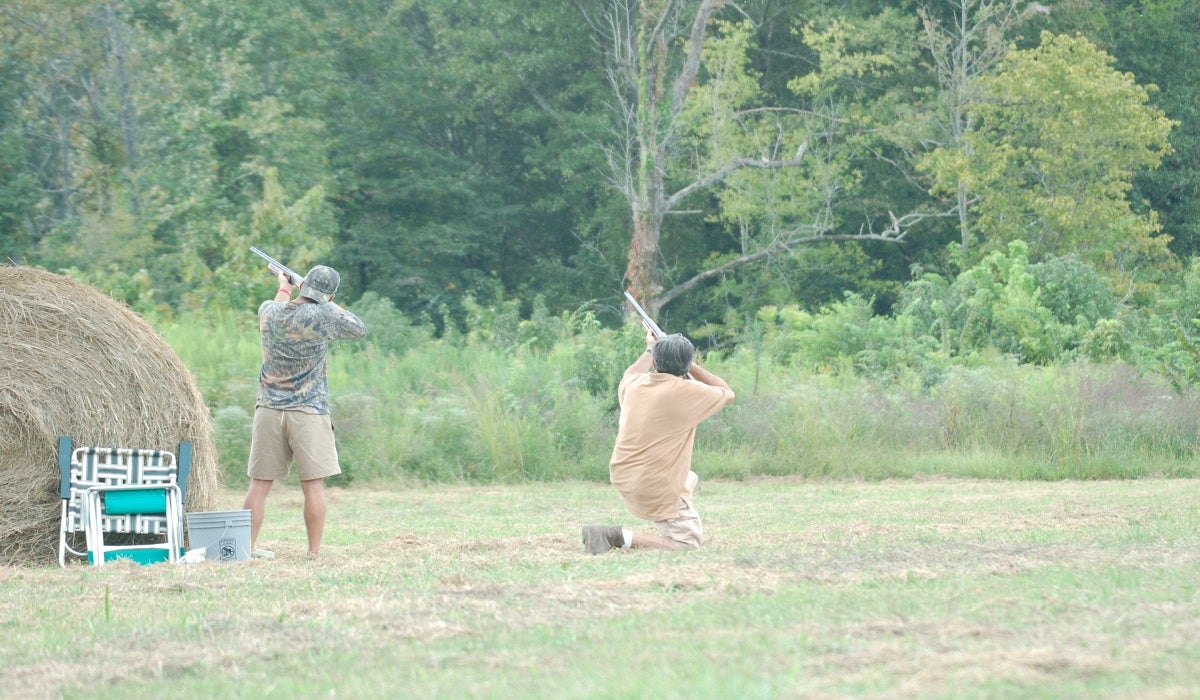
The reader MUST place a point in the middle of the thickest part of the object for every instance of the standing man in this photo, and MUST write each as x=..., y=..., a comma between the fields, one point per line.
x=291, y=415
x=651, y=463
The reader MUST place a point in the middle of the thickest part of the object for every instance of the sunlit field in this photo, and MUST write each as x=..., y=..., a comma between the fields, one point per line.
x=921, y=588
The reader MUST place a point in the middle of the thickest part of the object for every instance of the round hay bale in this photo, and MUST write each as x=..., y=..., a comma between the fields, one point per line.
x=75, y=362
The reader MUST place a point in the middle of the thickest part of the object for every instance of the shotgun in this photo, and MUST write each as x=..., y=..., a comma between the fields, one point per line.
x=277, y=267
x=649, y=322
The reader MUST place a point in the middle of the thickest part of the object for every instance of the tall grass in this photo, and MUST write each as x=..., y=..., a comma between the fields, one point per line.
x=475, y=408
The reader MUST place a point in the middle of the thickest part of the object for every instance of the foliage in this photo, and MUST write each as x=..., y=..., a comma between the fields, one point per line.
x=298, y=234
x=392, y=333
x=452, y=157
x=844, y=337
x=1058, y=138
x=1167, y=335
x=465, y=160
x=1044, y=314
x=826, y=394
x=998, y=304
x=18, y=193
x=133, y=288
x=1151, y=40
x=786, y=228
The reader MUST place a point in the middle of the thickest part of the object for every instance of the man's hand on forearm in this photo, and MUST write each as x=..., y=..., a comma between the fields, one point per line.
x=705, y=377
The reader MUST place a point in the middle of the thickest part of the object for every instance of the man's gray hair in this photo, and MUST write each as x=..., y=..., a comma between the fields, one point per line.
x=673, y=354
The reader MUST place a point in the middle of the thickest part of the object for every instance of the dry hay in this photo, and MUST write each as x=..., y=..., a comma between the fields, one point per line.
x=75, y=362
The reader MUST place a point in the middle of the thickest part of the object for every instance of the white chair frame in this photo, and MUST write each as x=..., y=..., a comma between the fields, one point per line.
x=87, y=473
x=95, y=526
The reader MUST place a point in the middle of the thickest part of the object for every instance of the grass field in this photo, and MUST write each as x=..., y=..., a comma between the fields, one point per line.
x=933, y=588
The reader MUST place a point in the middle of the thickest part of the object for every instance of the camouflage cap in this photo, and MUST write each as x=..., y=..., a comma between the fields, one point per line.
x=320, y=284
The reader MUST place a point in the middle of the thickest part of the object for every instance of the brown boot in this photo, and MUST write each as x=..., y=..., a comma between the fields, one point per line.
x=598, y=539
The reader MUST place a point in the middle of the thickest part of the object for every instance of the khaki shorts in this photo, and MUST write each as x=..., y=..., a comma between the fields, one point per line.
x=685, y=530
x=279, y=437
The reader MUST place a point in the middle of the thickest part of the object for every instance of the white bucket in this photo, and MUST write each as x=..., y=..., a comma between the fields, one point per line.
x=224, y=535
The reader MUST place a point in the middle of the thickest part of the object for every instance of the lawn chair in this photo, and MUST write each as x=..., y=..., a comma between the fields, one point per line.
x=134, y=494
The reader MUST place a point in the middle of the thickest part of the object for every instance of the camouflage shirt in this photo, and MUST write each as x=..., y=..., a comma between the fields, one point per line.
x=295, y=339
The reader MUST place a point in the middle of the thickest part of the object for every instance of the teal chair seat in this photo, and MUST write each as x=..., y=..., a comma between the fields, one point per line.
x=122, y=491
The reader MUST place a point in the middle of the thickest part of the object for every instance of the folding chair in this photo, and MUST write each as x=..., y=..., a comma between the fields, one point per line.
x=125, y=492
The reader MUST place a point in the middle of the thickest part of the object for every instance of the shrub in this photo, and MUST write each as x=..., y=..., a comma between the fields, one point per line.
x=388, y=329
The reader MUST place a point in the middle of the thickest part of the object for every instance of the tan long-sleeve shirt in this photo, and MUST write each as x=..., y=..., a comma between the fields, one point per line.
x=655, y=435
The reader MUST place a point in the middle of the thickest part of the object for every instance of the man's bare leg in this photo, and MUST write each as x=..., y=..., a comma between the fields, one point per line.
x=314, y=513
x=256, y=503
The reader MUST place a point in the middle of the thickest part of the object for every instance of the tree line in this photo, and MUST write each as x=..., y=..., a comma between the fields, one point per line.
x=719, y=159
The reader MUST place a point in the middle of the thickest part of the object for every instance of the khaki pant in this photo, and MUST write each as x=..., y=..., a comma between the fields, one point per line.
x=281, y=437
x=685, y=529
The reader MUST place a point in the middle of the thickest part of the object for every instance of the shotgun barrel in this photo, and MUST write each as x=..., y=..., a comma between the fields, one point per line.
x=277, y=267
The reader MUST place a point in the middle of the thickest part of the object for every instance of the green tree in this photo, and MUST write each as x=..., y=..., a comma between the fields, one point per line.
x=18, y=191
x=1040, y=313
x=822, y=162
x=1164, y=335
x=655, y=53
x=1056, y=141
x=964, y=40
x=466, y=151
x=1153, y=39
x=62, y=119
x=236, y=98
x=840, y=219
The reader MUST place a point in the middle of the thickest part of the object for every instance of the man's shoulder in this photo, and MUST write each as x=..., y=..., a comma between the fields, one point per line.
x=690, y=387
x=632, y=375
x=334, y=321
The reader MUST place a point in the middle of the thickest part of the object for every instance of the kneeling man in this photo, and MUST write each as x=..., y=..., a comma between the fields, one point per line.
x=663, y=395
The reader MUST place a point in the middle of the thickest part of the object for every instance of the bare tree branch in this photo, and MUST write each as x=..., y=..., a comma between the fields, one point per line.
x=691, y=65
x=787, y=241
x=731, y=167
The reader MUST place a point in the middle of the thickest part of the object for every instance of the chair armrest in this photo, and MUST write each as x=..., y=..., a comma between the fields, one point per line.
x=64, y=466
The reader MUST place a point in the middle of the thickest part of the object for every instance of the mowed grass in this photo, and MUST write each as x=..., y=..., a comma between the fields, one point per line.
x=936, y=588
